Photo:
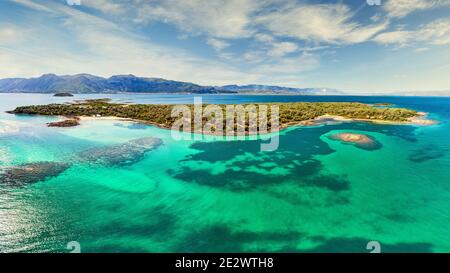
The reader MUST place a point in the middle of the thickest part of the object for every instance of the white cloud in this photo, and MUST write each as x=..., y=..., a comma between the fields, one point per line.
x=108, y=7
x=394, y=37
x=290, y=66
x=106, y=49
x=254, y=56
x=437, y=32
x=269, y=49
x=401, y=8
x=10, y=34
x=330, y=23
x=434, y=33
x=262, y=37
x=421, y=49
x=215, y=18
x=233, y=19
x=33, y=5
x=282, y=48
x=217, y=44
x=99, y=54
x=281, y=45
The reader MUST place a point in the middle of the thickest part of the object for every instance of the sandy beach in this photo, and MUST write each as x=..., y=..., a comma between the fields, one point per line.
x=419, y=120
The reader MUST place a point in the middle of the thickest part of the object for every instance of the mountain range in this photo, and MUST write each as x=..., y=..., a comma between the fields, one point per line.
x=86, y=83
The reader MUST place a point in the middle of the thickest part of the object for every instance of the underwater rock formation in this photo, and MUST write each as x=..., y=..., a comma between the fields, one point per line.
x=25, y=174
x=121, y=154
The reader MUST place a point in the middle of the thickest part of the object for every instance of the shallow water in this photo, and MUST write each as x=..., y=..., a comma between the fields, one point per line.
x=313, y=194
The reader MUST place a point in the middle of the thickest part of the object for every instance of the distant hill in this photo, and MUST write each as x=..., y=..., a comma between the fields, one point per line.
x=271, y=89
x=439, y=93
x=85, y=83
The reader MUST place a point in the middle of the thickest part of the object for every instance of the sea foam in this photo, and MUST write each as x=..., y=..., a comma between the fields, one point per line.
x=9, y=127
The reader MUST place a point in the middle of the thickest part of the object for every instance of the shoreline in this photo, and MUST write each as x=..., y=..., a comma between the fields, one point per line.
x=162, y=116
x=244, y=94
x=321, y=120
x=420, y=120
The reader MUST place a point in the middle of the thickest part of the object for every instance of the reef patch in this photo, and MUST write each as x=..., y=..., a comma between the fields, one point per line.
x=121, y=154
x=30, y=173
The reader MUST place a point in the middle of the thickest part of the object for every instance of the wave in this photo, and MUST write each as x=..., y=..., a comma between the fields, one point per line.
x=7, y=126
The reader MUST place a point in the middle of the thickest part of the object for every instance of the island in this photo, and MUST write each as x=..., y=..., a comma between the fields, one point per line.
x=290, y=114
x=353, y=138
x=63, y=94
x=361, y=141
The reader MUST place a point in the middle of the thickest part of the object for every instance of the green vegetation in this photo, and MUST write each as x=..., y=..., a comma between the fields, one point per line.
x=290, y=113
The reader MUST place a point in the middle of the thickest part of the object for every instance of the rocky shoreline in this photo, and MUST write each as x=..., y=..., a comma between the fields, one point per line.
x=72, y=122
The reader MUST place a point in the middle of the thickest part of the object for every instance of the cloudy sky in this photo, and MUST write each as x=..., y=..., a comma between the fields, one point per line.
x=400, y=45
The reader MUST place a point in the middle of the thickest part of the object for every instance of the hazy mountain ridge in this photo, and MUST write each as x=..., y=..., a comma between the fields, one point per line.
x=272, y=89
x=86, y=83
x=437, y=93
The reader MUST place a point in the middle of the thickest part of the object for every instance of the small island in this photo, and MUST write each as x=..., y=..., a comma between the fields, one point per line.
x=353, y=138
x=63, y=94
x=290, y=114
x=361, y=141
x=65, y=123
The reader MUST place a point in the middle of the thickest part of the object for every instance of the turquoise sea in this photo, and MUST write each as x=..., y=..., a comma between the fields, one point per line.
x=313, y=194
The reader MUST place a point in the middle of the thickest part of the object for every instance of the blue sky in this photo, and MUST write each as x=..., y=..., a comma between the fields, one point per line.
x=400, y=45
